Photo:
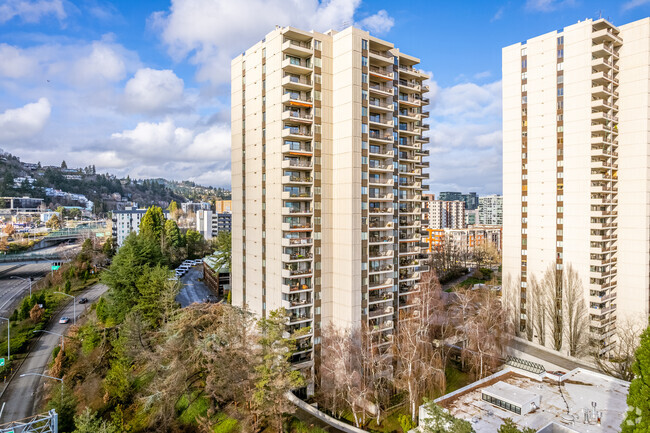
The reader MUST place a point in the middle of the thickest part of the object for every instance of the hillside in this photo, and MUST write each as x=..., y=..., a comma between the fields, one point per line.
x=106, y=191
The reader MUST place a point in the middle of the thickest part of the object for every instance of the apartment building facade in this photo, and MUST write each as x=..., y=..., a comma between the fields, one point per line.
x=470, y=199
x=210, y=223
x=439, y=214
x=125, y=222
x=491, y=209
x=575, y=169
x=327, y=171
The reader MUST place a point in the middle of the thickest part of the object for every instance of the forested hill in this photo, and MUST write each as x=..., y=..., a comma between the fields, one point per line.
x=105, y=190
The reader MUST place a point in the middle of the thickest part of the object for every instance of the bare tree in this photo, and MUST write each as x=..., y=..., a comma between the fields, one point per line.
x=511, y=295
x=552, y=286
x=620, y=359
x=537, y=310
x=574, y=309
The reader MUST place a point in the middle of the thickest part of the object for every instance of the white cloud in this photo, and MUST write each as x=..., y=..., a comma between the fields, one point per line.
x=103, y=63
x=14, y=63
x=633, y=4
x=483, y=74
x=548, y=5
x=378, y=23
x=189, y=30
x=152, y=90
x=25, y=122
x=466, y=135
x=199, y=155
x=31, y=11
x=498, y=15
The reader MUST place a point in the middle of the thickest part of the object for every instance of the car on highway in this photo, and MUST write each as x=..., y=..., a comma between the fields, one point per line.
x=83, y=300
x=64, y=320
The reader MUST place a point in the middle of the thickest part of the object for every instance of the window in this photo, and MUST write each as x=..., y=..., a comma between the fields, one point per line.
x=364, y=111
x=317, y=78
x=364, y=61
x=364, y=78
x=317, y=95
x=560, y=105
x=318, y=45
x=364, y=44
x=524, y=99
x=318, y=62
x=524, y=64
x=560, y=129
x=560, y=53
x=263, y=52
x=560, y=40
x=364, y=128
x=524, y=75
x=523, y=52
x=560, y=66
x=560, y=91
x=560, y=79
x=364, y=95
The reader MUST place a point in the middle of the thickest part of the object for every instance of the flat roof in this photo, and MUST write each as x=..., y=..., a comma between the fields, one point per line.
x=579, y=389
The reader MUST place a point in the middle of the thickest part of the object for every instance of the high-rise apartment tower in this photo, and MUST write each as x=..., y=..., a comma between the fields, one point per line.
x=327, y=171
x=576, y=181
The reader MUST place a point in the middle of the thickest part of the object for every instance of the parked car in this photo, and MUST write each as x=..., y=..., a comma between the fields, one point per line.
x=198, y=261
x=64, y=320
x=83, y=300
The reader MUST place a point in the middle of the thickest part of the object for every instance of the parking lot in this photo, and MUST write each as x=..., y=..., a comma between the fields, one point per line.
x=194, y=290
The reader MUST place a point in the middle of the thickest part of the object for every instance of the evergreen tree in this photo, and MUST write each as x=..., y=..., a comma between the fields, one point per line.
x=63, y=164
x=638, y=400
x=509, y=426
x=152, y=223
x=173, y=236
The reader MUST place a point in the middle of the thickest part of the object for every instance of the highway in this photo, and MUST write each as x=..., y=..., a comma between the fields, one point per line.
x=193, y=290
x=23, y=394
x=14, y=289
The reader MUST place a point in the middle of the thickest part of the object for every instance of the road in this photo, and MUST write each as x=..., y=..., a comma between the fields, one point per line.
x=13, y=289
x=193, y=290
x=23, y=394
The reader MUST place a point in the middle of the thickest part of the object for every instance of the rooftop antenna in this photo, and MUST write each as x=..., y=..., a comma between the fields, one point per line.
x=344, y=25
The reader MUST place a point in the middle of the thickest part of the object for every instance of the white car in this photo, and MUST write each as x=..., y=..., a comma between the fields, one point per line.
x=64, y=320
x=198, y=261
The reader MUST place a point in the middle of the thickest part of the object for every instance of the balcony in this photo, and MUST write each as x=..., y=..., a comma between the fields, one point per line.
x=295, y=196
x=380, y=255
x=296, y=273
x=603, y=78
x=378, y=240
x=294, y=242
x=405, y=130
x=381, y=73
x=411, y=72
x=298, y=48
x=602, y=105
x=601, y=129
x=380, y=297
x=380, y=269
x=297, y=164
x=381, y=167
x=379, y=312
x=409, y=276
x=602, y=64
x=296, y=303
x=409, y=251
x=295, y=99
x=380, y=182
x=380, y=153
x=303, y=149
x=297, y=66
x=373, y=285
x=381, y=90
x=298, y=180
x=378, y=105
x=296, y=257
x=381, y=197
x=422, y=139
x=296, y=133
x=297, y=82
x=382, y=137
x=297, y=116
x=606, y=35
x=381, y=211
x=603, y=117
x=382, y=326
x=292, y=211
x=382, y=57
x=381, y=226
x=410, y=85
x=296, y=287
x=410, y=101
x=604, y=49
x=297, y=227
x=299, y=318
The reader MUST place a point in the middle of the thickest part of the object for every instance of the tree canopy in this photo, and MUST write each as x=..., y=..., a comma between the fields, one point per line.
x=638, y=400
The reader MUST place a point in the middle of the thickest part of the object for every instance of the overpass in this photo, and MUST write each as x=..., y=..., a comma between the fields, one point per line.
x=71, y=234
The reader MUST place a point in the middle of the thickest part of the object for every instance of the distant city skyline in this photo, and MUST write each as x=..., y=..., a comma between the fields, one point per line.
x=142, y=88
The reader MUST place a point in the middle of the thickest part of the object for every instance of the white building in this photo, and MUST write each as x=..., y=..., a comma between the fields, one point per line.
x=125, y=222
x=327, y=171
x=491, y=209
x=444, y=214
x=576, y=182
x=210, y=223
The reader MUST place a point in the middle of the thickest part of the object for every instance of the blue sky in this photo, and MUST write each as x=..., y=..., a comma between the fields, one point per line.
x=141, y=87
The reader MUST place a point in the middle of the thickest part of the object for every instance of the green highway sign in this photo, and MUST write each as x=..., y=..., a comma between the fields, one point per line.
x=2, y=362
x=55, y=268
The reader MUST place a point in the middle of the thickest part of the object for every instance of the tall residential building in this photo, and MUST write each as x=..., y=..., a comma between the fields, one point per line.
x=125, y=222
x=440, y=214
x=327, y=171
x=576, y=182
x=472, y=217
x=427, y=200
x=470, y=199
x=491, y=209
x=210, y=223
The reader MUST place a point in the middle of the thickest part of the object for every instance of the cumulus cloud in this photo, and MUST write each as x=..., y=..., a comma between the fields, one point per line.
x=466, y=135
x=24, y=122
x=198, y=154
x=378, y=23
x=14, y=63
x=152, y=91
x=103, y=63
x=188, y=29
x=31, y=11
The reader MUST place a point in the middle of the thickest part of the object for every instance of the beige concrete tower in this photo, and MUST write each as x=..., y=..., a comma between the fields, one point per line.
x=327, y=170
x=575, y=171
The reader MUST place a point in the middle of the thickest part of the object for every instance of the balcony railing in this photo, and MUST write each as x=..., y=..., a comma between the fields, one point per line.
x=301, y=44
x=384, y=54
x=381, y=104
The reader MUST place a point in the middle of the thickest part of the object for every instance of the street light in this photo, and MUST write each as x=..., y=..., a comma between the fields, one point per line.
x=8, y=338
x=30, y=279
x=54, y=333
x=49, y=377
x=74, y=306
